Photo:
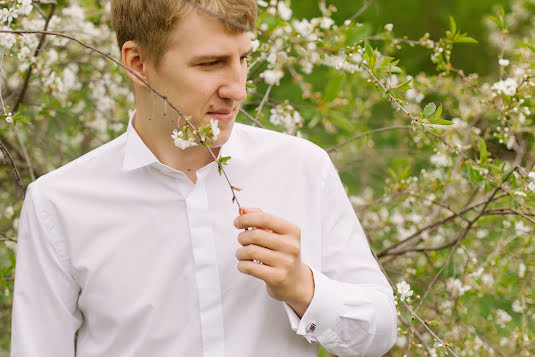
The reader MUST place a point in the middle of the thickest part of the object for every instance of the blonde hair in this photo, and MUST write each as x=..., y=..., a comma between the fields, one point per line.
x=149, y=23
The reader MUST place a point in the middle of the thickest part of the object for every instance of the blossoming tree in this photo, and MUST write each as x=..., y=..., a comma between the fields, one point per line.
x=439, y=166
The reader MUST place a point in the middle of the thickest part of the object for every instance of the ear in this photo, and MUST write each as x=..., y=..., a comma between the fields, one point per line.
x=132, y=58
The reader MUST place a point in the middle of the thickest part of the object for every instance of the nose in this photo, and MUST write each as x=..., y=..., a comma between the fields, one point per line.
x=233, y=86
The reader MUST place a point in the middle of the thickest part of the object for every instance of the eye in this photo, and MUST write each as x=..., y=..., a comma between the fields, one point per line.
x=245, y=58
x=209, y=64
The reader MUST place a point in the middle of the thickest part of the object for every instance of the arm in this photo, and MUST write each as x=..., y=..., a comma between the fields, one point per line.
x=346, y=305
x=45, y=315
x=353, y=308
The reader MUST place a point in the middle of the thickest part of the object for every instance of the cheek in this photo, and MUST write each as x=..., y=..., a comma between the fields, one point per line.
x=200, y=88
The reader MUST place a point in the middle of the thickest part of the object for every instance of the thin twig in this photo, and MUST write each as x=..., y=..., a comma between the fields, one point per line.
x=387, y=251
x=460, y=237
x=364, y=7
x=6, y=238
x=9, y=160
x=149, y=87
x=425, y=325
x=264, y=99
x=28, y=75
x=507, y=211
x=250, y=118
x=17, y=132
x=380, y=130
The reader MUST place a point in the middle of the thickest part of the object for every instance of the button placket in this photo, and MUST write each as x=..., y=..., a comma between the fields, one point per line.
x=206, y=272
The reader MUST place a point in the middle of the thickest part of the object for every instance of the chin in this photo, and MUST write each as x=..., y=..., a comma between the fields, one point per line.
x=224, y=135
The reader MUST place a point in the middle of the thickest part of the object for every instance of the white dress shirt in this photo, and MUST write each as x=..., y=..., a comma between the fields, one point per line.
x=141, y=261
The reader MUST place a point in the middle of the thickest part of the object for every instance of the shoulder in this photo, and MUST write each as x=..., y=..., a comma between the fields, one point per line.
x=90, y=167
x=259, y=142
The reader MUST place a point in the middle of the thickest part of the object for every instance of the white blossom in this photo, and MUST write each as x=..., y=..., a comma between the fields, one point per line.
x=284, y=11
x=287, y=117
x=456, y=287
x=503, y=62
x=255, y=44
x=412, y=94
x=517, y=306
x=507, y=86
x=404, y=290
x=7, y=40
x=272, y=77
x=303, y=27
x=389, y=27
x=521, y=228
x=9, y=118
x=326, y=23
x=531, y=185
x=440, y=160
x=9, y=211
x=180, y=143
x=502, y=317
x=215, y=128
x=521, y=270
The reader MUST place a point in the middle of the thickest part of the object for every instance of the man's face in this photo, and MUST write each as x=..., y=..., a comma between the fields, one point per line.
x=204, y=72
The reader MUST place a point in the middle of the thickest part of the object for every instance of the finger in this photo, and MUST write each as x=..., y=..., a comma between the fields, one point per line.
x=262, y=238
x=266, y=221
x=260, y=271
x=264, y=255
x=245, y=210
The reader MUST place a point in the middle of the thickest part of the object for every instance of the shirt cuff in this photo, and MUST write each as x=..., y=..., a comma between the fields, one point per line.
x=322, y=313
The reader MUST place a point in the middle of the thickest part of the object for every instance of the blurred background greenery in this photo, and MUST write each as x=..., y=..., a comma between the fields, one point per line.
x=413, y=18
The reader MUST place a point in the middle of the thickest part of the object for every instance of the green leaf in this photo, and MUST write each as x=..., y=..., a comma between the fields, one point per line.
x=435, y=117
x=334, y=87
x=527, y=45
x=22, y=119
x=465, y=39
x=453, y=27
x=429, y=109
x=483, y=152
x=220, y=162
x=440, y=122
x=355, y=34
x=499, y=20
x=496, y=21
x=223, y=160
x=368, y=50
x=395, y=69
x=370, y=56
x=341, y=121
x=404, y=86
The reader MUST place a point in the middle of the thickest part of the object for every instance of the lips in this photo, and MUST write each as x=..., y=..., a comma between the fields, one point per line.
x=221, y=114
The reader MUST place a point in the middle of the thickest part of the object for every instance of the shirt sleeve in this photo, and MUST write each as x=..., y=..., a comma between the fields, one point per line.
x=352, y=312
x=45, y=316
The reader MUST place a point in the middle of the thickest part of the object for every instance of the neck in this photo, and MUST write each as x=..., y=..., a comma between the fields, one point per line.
x=156, y=134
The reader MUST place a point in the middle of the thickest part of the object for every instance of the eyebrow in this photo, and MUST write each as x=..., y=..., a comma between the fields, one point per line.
x=202, y=58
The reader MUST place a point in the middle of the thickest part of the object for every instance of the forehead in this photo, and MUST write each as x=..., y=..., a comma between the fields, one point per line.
x=199, y=34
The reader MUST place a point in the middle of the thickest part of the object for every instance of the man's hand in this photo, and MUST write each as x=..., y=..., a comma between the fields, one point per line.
x=277, y=244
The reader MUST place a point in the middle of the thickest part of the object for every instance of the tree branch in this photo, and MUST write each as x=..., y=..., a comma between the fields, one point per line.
x=380, y=130
x=28, y=75
x=149, y=87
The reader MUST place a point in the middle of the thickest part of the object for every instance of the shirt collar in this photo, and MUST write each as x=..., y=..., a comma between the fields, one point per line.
x=137, y=154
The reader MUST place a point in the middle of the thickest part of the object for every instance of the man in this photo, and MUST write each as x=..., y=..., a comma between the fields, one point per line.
x=138, y=247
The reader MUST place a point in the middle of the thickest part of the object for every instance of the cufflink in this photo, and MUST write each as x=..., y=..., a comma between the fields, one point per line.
x=311, y=328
